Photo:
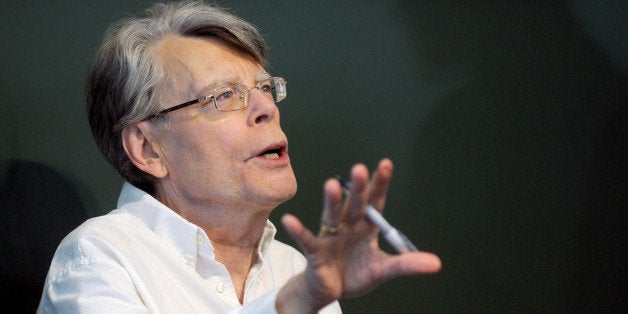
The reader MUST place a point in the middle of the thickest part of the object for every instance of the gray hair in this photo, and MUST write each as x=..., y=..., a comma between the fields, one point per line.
x=124, y=80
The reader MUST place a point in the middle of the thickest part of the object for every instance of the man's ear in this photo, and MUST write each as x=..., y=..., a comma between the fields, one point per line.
x=142, y=150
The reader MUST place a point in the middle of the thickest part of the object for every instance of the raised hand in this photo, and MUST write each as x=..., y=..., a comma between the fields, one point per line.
x=344, y=259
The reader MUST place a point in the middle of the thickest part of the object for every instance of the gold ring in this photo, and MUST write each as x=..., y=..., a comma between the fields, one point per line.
x=331, y=230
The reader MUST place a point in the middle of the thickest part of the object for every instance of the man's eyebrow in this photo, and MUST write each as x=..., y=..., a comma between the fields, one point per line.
x=217, y=84
x=261, y=77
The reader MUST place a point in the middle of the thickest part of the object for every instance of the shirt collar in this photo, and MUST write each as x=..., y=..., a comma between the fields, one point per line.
x=179, y=233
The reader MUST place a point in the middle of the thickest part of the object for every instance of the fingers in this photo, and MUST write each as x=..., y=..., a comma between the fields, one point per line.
x=380, y=183
x=332, y=219
x=350, y=259
x=335, y=216
x=374, y=193
x=359, y=193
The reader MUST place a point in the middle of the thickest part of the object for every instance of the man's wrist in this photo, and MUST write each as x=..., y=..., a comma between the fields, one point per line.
x=296, y=297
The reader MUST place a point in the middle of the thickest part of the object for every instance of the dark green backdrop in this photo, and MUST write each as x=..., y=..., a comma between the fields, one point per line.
x=506, y=121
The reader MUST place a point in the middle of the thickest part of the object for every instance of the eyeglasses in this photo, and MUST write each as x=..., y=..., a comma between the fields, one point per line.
x=234, y=97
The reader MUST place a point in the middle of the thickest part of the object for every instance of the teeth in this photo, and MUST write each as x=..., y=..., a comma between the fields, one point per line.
x=271, y=155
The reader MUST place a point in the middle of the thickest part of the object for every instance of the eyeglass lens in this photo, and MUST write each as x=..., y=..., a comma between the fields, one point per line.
x=236, y=97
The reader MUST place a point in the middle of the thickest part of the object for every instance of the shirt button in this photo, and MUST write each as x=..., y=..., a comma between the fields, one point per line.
x=220, y=287
x=199, y=237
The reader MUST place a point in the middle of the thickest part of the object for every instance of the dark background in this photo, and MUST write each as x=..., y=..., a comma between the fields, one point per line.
x=506, y=121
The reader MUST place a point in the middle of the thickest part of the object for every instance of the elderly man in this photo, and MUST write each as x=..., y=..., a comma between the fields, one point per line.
x=181, y=105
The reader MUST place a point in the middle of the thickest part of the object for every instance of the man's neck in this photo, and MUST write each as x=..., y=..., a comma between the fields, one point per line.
x=235, y=234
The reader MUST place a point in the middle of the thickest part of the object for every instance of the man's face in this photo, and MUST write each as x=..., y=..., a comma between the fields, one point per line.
x=234, y=159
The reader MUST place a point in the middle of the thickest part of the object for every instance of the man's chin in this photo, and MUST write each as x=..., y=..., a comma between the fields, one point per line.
x=281, y=193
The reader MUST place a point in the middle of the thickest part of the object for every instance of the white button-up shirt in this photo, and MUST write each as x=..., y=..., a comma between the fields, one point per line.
x=143, y=257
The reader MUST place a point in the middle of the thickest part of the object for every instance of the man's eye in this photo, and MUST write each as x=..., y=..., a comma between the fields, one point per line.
x=266, y=88
x=225, y=94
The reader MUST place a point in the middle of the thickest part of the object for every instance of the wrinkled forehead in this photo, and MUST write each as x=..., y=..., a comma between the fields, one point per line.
x=192, y=64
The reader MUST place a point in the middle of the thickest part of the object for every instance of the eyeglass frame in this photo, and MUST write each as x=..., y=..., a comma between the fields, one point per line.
x=246, y=95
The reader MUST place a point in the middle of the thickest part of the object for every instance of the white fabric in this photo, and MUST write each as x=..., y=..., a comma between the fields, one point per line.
x=144, y=258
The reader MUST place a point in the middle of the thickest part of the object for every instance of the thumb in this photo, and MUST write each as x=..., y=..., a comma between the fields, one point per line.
x=415, y=263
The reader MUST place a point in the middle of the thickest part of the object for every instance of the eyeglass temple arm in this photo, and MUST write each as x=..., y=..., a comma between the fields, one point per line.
x=185, y=104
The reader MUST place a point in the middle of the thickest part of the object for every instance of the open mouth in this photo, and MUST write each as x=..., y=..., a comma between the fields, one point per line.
x=274, y=151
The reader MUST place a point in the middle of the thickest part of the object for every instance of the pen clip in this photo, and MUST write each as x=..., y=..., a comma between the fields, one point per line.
x=346, y=186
